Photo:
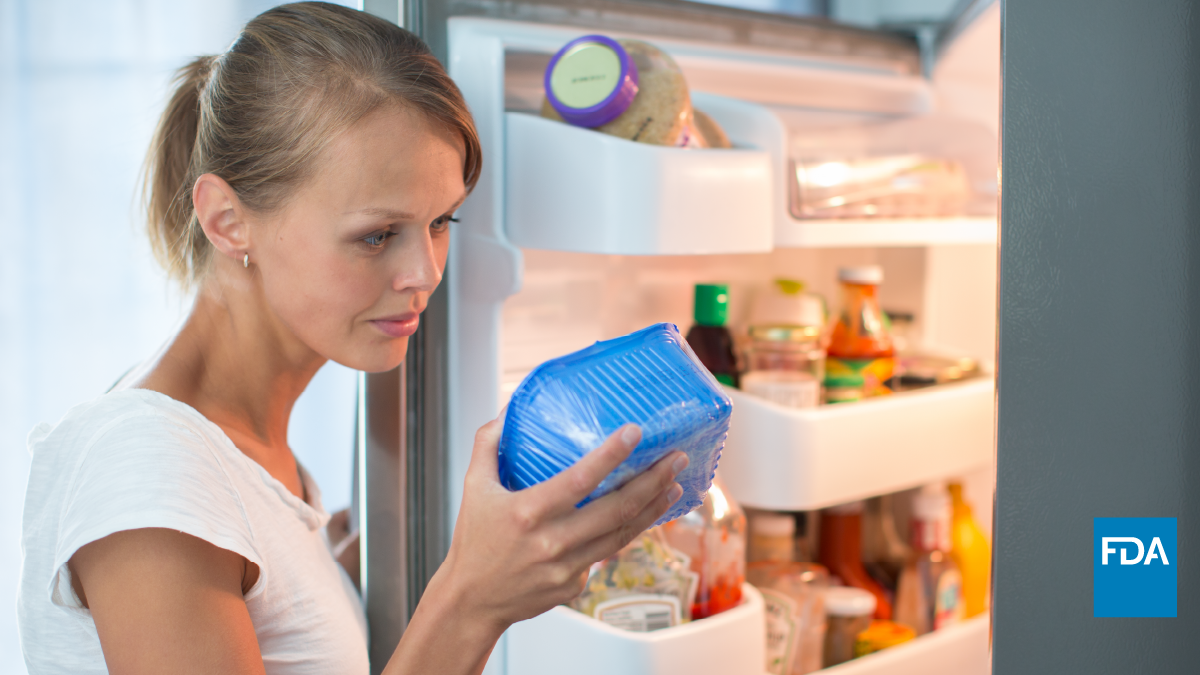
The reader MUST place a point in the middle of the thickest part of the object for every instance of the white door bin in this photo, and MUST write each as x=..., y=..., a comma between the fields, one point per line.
x=565, y=641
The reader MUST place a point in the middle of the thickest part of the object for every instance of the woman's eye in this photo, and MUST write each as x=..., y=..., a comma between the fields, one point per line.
x=442, y=224
x=376, y=240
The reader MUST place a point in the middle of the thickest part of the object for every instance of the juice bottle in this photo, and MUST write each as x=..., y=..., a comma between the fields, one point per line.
x=929, y=595
x=709, y=337
x=714, y=537
x=841, y=552
x=971, y=552
x=861, y=342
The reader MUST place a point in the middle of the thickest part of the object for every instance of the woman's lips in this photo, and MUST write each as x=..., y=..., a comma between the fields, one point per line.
x=398, y=326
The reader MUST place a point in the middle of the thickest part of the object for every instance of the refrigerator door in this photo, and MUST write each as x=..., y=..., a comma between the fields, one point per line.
x=1099, y=380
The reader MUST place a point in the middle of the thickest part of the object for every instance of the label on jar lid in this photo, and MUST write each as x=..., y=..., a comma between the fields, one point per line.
x=586, y=75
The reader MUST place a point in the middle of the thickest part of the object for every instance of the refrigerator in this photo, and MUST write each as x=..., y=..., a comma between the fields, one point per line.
x=572, y=236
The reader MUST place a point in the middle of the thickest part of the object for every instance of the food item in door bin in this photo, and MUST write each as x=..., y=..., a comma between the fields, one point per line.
x=785, y=365
x=714, y=538
x=709, y=337
x=861, y=342
x=644, y=587
x=714, y=136
x=846, y=388
x=793, y=595
x=884, y=551
x=849, y=613
x=568, y=406
x=971, y=552
x=881, y=635
x=772, y=537
x=929, y=595
x=786, y=303
x=625, y=88
x=841, y=552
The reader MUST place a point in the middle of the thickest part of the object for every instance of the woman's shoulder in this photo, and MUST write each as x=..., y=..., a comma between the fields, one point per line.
x=133, y=444
x=116, y=418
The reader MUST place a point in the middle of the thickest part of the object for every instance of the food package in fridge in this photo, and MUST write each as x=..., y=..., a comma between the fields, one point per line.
x=568, y=406
x=646, y=586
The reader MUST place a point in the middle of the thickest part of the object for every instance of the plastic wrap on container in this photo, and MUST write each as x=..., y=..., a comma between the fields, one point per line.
x=568, y=406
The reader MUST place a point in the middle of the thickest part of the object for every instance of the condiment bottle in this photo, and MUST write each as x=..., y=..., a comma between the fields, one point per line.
x=849, y=613
x=793, y=595
x=772, y=536
x=708, y=337
x=884, y=551
x=861, y=342
x=625, y=88
x=971, y=552
x=714, y=537
x=841, y=552
x=929, y=595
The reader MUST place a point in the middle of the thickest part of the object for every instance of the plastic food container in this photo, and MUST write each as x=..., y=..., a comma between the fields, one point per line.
x=568, y=406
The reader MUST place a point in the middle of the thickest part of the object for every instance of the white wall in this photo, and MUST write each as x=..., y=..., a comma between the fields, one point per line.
x=81, y=300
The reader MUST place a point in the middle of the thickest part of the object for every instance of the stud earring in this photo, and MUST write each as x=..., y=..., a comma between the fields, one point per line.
x=246, y=260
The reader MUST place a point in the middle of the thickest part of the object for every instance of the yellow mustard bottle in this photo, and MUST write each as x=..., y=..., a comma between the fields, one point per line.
x=972, y=554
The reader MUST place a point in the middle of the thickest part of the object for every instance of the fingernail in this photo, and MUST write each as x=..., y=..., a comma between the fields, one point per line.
x=680, y=463
x=632, y=434
x=675, y=493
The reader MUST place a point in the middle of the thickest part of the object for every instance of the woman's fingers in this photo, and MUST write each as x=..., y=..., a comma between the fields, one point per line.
x=614, y=540
x=570, y=487
x=623, y=506
x=484, y=458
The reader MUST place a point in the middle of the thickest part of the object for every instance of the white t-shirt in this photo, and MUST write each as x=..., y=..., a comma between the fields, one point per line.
x=136, y=458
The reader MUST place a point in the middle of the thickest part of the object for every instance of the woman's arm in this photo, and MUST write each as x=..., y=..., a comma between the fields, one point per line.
x=515, y=555
x=167, y=602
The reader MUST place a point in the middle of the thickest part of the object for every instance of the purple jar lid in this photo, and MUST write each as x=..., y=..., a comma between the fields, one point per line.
x=590, y=76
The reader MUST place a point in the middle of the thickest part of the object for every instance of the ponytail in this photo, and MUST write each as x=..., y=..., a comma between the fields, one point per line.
x=175, y=236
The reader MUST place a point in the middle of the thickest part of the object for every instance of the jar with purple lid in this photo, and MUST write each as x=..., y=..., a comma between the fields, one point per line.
x=625, y=88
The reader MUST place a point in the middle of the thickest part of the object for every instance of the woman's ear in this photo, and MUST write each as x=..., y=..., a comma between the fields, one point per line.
x=221, y=216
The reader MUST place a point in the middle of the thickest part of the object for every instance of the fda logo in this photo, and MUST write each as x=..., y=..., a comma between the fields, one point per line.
x=1134, y=567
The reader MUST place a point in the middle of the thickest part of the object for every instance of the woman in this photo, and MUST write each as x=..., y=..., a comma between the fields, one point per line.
x=304, y=183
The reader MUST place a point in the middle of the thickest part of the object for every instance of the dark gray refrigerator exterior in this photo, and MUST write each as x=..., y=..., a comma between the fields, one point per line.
x=1099, y=394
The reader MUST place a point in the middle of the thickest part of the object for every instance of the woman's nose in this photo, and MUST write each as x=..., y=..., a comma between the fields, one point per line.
x=419, y=265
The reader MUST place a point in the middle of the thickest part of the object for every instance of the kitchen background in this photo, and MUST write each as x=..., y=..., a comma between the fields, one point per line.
x=81, y=299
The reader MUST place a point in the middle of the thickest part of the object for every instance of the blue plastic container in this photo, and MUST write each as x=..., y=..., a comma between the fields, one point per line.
x=568, y=406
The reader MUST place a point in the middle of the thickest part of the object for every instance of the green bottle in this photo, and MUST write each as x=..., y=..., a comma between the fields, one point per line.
x=709, y=337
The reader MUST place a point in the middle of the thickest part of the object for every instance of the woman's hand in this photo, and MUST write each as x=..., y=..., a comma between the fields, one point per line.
x=515, y=555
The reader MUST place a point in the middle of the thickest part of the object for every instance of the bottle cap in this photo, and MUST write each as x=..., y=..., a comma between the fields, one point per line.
x=711, y=304
x=848, y=601
x=932, y=502
x=773, y=524
x=863, y=274
x=591, y=81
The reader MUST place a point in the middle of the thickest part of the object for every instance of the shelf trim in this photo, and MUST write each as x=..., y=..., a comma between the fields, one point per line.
x=858, y=233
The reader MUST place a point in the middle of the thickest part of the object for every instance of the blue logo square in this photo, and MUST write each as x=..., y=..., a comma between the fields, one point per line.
x=1134, y=567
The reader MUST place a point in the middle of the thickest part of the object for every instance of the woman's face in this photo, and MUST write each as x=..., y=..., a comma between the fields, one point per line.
x=349, y=263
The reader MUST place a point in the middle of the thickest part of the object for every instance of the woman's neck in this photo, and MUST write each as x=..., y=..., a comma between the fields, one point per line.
x=236, y=364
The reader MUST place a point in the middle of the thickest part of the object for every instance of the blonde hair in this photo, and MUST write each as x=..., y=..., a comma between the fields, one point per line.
x=259, y=115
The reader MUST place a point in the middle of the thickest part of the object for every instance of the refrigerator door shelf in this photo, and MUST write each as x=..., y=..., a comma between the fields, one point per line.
x=574, y=189
x=890, y=232
x=956, y=650
x=565, y=641
x=789, y=459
